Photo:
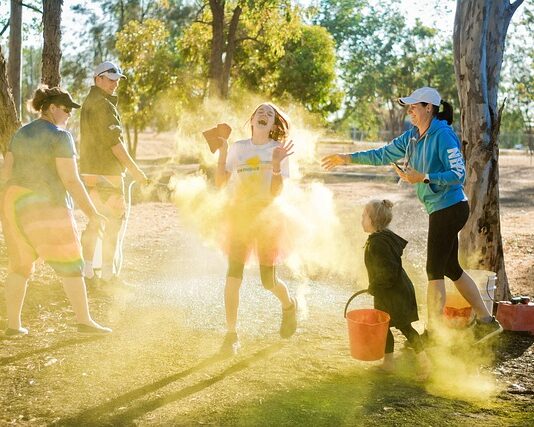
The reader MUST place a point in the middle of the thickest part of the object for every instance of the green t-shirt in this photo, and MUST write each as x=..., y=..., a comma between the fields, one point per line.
x=35, y=148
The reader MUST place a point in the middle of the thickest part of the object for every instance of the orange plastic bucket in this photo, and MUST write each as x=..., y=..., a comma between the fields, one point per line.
x=458, y=317
x=368, y=330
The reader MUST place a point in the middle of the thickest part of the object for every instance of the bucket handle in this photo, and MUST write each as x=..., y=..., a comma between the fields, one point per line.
x=487, y=288
x=350, y=300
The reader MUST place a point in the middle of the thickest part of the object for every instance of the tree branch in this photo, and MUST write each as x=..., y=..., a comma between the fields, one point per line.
x=199, y=12
x=197, y=21
x=242, y=39
x=514, y=6
x=29, y=6
x=5, y=28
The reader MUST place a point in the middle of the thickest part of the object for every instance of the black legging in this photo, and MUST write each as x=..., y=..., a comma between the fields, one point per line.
x=411, y=335
x=442, y=247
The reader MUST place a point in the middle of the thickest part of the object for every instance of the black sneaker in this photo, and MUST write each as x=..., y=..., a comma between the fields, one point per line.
x=485, y=331
x=230, y=345
x=289, y=320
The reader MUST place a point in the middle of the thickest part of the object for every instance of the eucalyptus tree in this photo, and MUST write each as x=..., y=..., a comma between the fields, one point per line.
x=480, y=29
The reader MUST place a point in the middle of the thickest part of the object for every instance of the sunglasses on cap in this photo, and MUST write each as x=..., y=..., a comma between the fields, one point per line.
x=111, y=70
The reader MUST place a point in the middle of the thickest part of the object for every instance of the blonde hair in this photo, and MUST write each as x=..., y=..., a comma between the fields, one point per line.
x=380, y=213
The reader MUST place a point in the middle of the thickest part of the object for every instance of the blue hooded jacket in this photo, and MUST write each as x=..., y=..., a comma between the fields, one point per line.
x=437, y=154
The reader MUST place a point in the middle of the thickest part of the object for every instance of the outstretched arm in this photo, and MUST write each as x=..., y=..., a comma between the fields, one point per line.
x=333, y=160
x=391, y=152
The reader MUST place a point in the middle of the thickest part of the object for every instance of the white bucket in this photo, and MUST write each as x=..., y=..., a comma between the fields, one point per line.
x=486, y=282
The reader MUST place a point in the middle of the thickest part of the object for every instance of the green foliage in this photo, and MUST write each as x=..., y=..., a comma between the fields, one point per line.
x=276, y=56
x=381, y=59
x=518, y=80
x=147, y=60
x=308, y=71
x=263, y=30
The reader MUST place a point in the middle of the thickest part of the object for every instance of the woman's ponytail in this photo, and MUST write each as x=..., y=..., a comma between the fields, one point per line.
x=446, y=113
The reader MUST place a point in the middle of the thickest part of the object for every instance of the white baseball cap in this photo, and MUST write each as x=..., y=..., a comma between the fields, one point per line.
x=423, y=94
x=110, y=70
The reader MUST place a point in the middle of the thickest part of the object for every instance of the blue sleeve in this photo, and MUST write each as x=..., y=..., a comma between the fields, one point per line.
x=391, y=152
x=452, y=160
x=64, y=145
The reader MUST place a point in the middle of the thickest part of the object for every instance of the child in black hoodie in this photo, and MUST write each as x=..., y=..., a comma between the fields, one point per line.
x=391, y=287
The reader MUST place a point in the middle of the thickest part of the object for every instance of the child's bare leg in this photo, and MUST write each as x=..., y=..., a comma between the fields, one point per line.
x=231, y=301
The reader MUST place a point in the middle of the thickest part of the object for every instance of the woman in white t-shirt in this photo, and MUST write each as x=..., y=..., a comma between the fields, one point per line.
x=255, y=170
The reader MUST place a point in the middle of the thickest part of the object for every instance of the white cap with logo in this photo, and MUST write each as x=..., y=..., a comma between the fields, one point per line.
x=110, y=70
x=423, y=94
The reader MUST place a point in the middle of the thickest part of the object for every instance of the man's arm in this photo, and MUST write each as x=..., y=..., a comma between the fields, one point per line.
x=122, y=155
x=68, y=173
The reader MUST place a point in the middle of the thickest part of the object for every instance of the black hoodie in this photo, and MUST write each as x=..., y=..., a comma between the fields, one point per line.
x=388, y=282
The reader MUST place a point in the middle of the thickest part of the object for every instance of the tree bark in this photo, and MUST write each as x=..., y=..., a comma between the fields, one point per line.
x=9, y=121
x=51, y=42
x=215, y=71
x=230, y=51
x=15, y=51
x=479, y=34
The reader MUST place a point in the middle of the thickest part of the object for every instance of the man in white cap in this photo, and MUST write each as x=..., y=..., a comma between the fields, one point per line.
x=104, y=160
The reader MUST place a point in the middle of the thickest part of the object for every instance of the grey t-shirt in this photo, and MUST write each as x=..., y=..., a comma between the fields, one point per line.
x=35, y=148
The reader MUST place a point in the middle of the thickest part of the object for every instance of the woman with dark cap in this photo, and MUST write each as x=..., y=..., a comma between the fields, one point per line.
x=435, y=165
x=39, y=177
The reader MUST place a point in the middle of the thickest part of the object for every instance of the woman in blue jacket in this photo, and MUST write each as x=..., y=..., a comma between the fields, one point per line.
x=434, y=163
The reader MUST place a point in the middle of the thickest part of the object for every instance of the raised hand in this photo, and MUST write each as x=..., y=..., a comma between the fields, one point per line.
x=281, y=152
x=333, y=160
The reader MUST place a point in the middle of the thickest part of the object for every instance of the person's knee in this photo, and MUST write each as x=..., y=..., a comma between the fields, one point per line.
x=268, y=276
x=235, y=270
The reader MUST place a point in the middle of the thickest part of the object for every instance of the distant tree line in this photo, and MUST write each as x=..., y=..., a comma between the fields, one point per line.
x=343, y=60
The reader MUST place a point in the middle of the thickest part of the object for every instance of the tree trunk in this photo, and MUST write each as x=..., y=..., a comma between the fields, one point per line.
x=479, y=34
x=215, y=71
x=9, y=121
x=230, y=51
x=15, y=51
x=52, y=42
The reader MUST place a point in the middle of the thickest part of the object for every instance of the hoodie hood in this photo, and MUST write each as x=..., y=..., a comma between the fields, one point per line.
x=395, y=241
x=437, y=125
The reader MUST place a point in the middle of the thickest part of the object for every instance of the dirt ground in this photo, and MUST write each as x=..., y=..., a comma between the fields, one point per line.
x=160, y=365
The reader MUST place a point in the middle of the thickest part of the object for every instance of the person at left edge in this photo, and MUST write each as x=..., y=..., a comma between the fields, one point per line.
x=40, y=176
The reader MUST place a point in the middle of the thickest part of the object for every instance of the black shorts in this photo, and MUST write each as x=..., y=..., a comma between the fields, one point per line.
x=442, y=250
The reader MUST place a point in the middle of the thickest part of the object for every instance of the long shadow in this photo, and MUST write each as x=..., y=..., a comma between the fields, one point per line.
x=9, y=359
x=97, y=414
